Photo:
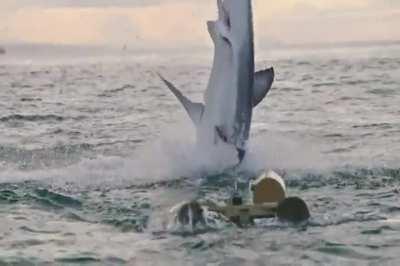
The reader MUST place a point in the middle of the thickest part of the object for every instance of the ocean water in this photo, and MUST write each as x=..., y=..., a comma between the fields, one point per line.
x=95, y=151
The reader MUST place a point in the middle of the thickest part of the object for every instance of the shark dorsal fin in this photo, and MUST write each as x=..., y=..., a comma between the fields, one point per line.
x=194, y=110
x=262, y=84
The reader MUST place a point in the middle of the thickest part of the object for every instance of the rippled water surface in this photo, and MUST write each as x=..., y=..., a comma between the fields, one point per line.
x=94, y=153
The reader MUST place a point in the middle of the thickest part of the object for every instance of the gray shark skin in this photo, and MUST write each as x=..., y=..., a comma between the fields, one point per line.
x=233, y=88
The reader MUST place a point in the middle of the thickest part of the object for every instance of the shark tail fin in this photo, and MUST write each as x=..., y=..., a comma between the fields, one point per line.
x=262, y=84
x=194, y=110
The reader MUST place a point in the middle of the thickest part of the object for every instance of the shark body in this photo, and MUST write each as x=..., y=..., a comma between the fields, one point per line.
x=233, y=89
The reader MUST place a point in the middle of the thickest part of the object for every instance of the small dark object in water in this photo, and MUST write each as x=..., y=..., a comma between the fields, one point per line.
x=236, y=199
x=191, y=213
x=293, y=209
x=2, y=50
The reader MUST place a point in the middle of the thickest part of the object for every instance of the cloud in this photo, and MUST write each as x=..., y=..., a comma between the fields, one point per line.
x=181, y=23
x=82, y=3
x=167, y=25
x=119, y=29
x=307, y=23
x=385, y=3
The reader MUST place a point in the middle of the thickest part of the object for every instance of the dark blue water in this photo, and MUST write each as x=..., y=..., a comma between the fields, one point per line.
x=94, y=153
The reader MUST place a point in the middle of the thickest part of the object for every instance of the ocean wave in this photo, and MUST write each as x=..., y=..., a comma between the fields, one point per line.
x=383, y=92
x=28, y=99
x=33, y=192
x=375, y=125
x=109, y=93
x=58, y=155
x=37, y=118
x=43, y=158
x=359, y=178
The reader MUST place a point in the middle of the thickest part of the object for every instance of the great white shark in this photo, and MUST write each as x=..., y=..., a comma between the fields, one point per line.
x=233, y=89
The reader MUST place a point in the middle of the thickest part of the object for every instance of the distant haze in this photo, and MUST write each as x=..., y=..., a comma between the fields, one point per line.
x=161, y=24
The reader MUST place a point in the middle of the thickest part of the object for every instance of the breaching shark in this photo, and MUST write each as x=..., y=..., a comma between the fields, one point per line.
x=233, y=88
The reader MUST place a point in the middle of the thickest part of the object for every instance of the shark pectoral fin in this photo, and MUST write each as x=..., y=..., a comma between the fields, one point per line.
x=194, y=110
x=221, y=134
x=262, y=84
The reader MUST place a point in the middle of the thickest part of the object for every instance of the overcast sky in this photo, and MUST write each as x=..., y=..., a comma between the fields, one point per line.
x=171, y=23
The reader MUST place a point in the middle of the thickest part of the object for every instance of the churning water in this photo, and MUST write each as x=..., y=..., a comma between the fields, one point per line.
x=94, y=153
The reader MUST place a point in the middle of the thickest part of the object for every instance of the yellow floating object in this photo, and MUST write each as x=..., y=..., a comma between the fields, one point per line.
x=269, y=200
x=269, y=187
